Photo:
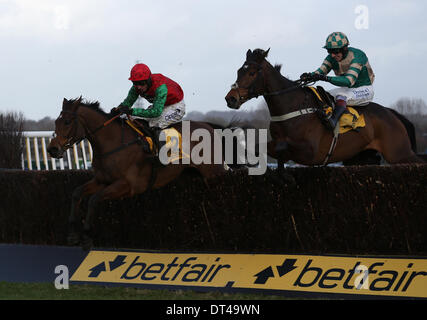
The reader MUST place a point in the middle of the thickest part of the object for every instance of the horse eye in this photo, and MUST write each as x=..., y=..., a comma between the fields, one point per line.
x=67, y=122
x=252, y=73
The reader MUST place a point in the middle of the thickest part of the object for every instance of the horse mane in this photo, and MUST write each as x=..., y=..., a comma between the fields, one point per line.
x=259, y=54
x=278, y=67
x=94, y=105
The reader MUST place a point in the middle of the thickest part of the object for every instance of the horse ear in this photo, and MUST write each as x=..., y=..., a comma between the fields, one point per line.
x=248, y=54
x=64, y=102
x=76, y=103
x=266, y=53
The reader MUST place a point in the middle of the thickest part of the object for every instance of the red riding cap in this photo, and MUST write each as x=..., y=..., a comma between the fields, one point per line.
x=140, y=72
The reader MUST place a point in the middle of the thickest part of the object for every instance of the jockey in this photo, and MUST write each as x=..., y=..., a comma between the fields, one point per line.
x=166, y=96
x=354, y=75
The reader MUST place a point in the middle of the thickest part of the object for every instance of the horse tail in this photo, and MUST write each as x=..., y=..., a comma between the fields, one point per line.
x=410, y=129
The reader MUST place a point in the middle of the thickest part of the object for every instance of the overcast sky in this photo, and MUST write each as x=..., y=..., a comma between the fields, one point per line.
x=51, y=49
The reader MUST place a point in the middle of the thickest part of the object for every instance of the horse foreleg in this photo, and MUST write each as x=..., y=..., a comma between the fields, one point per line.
x=78, y=194
x=279, y=151
x=116, y=190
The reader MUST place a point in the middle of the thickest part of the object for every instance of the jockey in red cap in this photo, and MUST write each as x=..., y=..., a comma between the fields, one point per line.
x=166, y=96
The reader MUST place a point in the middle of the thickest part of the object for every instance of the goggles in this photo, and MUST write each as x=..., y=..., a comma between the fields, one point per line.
x=334, y=51
x=140, y=83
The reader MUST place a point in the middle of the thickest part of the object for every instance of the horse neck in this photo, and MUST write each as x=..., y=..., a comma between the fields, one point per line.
x=274, y=81
x=92, y=121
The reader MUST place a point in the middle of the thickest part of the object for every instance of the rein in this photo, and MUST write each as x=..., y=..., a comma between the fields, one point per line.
x=123, y=145
x=299, y=84
x=106, y=123
x=69, y=142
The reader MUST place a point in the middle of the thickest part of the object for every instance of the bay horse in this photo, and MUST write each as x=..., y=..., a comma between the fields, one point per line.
x=122, y=168
x=298, y=134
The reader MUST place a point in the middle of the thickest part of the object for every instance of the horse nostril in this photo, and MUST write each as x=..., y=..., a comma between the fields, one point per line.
x=53, y=151
x=231, y=100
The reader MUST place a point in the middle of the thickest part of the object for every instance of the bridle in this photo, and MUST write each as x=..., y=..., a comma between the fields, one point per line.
x=251, y=89
x=74, y=118
x=71, y=140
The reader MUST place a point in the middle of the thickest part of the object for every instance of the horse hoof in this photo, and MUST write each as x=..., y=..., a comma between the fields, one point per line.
x=73, y=239
x=87, y=243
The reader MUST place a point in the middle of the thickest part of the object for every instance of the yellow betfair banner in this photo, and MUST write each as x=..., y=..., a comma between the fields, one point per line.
x=384, y=276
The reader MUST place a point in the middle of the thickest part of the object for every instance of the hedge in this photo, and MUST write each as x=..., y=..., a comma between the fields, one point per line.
x=343, y=210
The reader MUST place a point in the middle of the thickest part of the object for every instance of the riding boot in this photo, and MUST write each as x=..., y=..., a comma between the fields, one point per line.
x=155, y=137
x=340, y=108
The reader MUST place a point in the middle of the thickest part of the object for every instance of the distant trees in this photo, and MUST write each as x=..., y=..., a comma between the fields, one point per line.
x=45, y=124
x=258, y=117
x=416, y=112
x=11, y=142
x=408, y=106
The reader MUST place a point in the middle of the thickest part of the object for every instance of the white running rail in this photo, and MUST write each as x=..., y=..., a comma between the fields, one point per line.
x=35, y=156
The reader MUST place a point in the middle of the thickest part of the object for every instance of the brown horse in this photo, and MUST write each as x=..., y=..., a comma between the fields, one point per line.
x=121, y=166
x=302, y=137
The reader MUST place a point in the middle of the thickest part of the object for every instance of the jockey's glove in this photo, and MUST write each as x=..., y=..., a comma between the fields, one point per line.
x=125, y=109
x=305, y=76
x=115, y=111
x=319, y=77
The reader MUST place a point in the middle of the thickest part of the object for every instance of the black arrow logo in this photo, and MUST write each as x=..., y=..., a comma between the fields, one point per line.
x=95, y=271
x=263, y=275
x=117, y=262
x=287, y=266
x=120, y=260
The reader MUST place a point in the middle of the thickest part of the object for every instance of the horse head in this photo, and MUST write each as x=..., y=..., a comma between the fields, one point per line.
x=68, y=128
x=250, y=79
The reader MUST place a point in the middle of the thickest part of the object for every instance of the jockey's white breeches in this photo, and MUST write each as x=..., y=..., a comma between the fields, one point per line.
x=171, y=114
x=354, y=96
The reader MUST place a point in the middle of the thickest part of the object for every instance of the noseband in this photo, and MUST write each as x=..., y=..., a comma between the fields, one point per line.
x=251, y=88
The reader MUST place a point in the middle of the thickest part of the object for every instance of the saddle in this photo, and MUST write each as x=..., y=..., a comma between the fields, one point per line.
x=149, y=135
x=349, y=120
x=153, y=145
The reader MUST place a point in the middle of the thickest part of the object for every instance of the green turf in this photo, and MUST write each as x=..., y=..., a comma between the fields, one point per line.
x=47, y=291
